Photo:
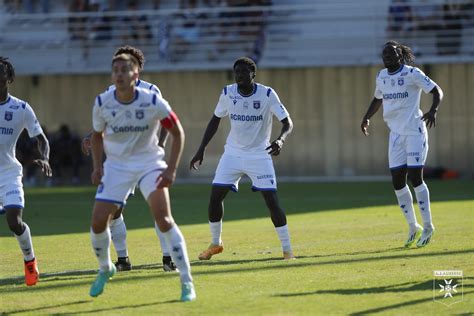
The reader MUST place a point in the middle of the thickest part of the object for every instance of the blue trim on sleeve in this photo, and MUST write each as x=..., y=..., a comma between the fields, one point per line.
x=269, y=91
x=151, y=86
x=225, y=90
x=13, y=206
x=415, y=167
x=255, y=189
x=398, y=167
x=225, y=185
x=121, y=203
x=153, y=100
x=138, y=83
x=411, y=70
x=99, y=100
x=23, y=105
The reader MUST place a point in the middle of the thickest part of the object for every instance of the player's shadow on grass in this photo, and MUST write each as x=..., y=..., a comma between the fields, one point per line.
x=42, y=308
x=279, y=265
x=394, y=288
x=56, y=211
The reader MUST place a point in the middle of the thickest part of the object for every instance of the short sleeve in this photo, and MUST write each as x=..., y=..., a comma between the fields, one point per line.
x=276, y=107
x=421, y=80
x=98, y=122
x=155, y=89
x=378, y=94
x=31, y=122
x=222, y=106
x=163, y=108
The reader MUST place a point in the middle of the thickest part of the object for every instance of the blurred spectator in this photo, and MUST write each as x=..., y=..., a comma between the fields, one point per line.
x=77, y=25
x=65, y=152
x=400, y=20
x=30, y=6
x=426, y=23
x=100, y=26
x=185, y=30
x=136, y=27
x=449, y=37
x=12, y=6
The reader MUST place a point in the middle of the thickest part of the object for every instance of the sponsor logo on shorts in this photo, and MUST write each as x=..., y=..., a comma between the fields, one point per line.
x=265, y=176
x=413, y=154
x=17, y=192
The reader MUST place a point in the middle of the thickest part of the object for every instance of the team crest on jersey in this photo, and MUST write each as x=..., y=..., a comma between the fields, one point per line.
x=139, y=114
x=400, y=81
x=256, y=105
x=8, y=116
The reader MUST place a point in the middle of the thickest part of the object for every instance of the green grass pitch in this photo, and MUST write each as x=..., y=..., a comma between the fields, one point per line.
x=348, y=238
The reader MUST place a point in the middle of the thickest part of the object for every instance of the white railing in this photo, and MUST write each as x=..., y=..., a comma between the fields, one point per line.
x=312, y=34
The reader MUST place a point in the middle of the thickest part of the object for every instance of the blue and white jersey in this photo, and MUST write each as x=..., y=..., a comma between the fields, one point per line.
x=401, y=93
x=250, y=118
x=15, y=115
x=141, y=84
x=130, y=130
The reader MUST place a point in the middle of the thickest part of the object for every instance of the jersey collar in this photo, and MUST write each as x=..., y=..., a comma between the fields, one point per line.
x=253, y=92
x=6, y=101
x=396, y=72
x=136, y=97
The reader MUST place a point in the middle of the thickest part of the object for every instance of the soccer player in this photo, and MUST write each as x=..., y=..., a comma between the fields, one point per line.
x=398, y=89
x=16, y=115
x=250, y=107
x=125, y=122
x=118, y=229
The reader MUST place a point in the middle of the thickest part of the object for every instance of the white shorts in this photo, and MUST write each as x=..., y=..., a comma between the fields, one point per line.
x=409, y=151
x=119, y=182
x=260, y=170
x=11, y=194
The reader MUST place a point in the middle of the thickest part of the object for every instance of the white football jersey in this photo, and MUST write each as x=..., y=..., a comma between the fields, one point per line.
x=401, y=93
x=141, y=84
x=250, y=118
x=130, y=130
x=15, y=115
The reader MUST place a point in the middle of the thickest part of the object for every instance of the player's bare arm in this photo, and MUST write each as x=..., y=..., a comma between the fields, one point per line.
x=373, y=108
x=211, y=130
x=97, y=150
x=277, y=145
x=430, y=116
x=173, y=127
x=43, y=148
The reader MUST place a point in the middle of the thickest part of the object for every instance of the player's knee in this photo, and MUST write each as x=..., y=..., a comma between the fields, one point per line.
x=165, y=223
x=16, y=226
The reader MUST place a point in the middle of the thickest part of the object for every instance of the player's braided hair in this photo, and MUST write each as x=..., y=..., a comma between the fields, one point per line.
x=246, y=61
x=8, y=68
x=135, y=52
x=406, y=52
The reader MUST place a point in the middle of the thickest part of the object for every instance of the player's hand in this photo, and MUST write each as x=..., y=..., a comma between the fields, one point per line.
x=86, y=145
x=430, y=118
x=166, y=178
x=364, y=126
x=198, y=157
x=275, y=147
x=44, y=165
x=96, y=175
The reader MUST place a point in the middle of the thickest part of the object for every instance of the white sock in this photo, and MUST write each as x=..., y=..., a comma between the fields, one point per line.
x=118, y=232
x=284, y=237
x=179, y=253
x=101, y=247
x=164, y=246
x=423, y=198
x=216, y=232
x=26, y=245
x=405, y=201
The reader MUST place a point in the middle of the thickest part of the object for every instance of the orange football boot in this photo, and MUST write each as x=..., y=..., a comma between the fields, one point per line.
x=210, y=251
x=31, y=272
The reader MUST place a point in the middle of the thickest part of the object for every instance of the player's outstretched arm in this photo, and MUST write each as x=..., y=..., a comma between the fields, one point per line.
x=97, y=150
x=211, y=130
x=277, y=145
x=430, y=116
x=373, y=108
x=168, y=176
x=43, y=148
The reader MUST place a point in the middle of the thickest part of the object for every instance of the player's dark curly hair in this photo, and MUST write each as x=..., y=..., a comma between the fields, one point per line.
x=405, y=51
x=135, y=52
x=8, y=68
x=246, y=61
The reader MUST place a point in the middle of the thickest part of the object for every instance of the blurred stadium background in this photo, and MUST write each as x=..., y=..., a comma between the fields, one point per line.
x=321, y=56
